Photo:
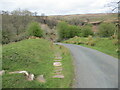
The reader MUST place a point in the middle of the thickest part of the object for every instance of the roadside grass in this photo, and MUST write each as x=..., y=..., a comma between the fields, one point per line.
x=104, y=45
x=68, y=69
x=35, y=56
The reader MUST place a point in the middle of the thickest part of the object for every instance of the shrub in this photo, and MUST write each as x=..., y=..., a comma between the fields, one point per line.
x=90, y=37
x=62, y=30
x=115, y=41
x=106, y=29
x=91, y=43
x=86, y=31
x=66, y=31
x=34, y=29
x=80, y=42
x=73, y=31
x=117, y=50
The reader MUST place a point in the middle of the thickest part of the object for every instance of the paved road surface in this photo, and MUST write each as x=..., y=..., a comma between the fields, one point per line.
x=93, y=69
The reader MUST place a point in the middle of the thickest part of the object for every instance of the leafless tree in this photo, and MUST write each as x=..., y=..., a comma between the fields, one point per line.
x=115, y=6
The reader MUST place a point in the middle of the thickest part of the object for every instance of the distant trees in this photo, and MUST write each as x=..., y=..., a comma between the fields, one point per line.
x=107, y=29
x=66, y=31
x=34, y=29
x=45, y=20
x=115, y=6
x=14, y=25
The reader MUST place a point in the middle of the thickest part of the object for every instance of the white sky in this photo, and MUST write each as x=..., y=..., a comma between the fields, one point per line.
x=57, y=7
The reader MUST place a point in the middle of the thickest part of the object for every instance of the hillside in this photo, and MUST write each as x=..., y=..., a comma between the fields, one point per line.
x=105, y=45
x=91, y=17
x=35, y=56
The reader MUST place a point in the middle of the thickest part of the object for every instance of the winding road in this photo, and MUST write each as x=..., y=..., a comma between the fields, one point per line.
x=93, y=69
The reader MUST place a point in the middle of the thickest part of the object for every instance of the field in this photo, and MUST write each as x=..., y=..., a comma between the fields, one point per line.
x=105, y=45
x=35, y=56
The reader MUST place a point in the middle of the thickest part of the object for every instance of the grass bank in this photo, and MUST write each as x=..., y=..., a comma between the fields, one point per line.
x=35, y=56
x=105, y=45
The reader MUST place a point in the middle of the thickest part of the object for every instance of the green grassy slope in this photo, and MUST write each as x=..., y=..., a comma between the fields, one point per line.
x=35, y=56
x=104, y=45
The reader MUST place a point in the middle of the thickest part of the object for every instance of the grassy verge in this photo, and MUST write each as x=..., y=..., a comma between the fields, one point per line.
x=35, y=56
x=104, y=45
x=68, y=70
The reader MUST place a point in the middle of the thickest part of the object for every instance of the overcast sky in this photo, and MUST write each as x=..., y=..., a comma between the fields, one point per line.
x=57, y=7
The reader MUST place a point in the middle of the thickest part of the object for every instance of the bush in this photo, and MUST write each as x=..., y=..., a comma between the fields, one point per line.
x=34, y=29
x=115, y=42
x=106, y=29
x=91, y=43
x=86, y=31
x=62, y=28
x=90, y=37
x=73, y=31
x=66, y=31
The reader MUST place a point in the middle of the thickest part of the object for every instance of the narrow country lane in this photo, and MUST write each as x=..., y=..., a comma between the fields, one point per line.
x=93, y=69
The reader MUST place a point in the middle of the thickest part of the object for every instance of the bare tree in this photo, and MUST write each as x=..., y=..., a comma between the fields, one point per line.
x=115, y=6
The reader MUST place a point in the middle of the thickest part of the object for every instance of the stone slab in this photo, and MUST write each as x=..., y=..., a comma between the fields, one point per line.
x=57, y=64
x=58, y=76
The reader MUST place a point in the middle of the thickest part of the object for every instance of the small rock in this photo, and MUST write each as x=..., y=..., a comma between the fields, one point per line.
x=2, y=72
x=41, y=79
x=58, y=76
x=30, y=77
x=57, y=63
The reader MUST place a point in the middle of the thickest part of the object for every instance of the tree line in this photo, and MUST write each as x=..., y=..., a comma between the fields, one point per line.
x=20, y=24
x=66, y=31
x=16, y=23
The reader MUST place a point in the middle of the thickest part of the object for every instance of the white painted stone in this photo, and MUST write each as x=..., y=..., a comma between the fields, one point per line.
x=57, y=63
